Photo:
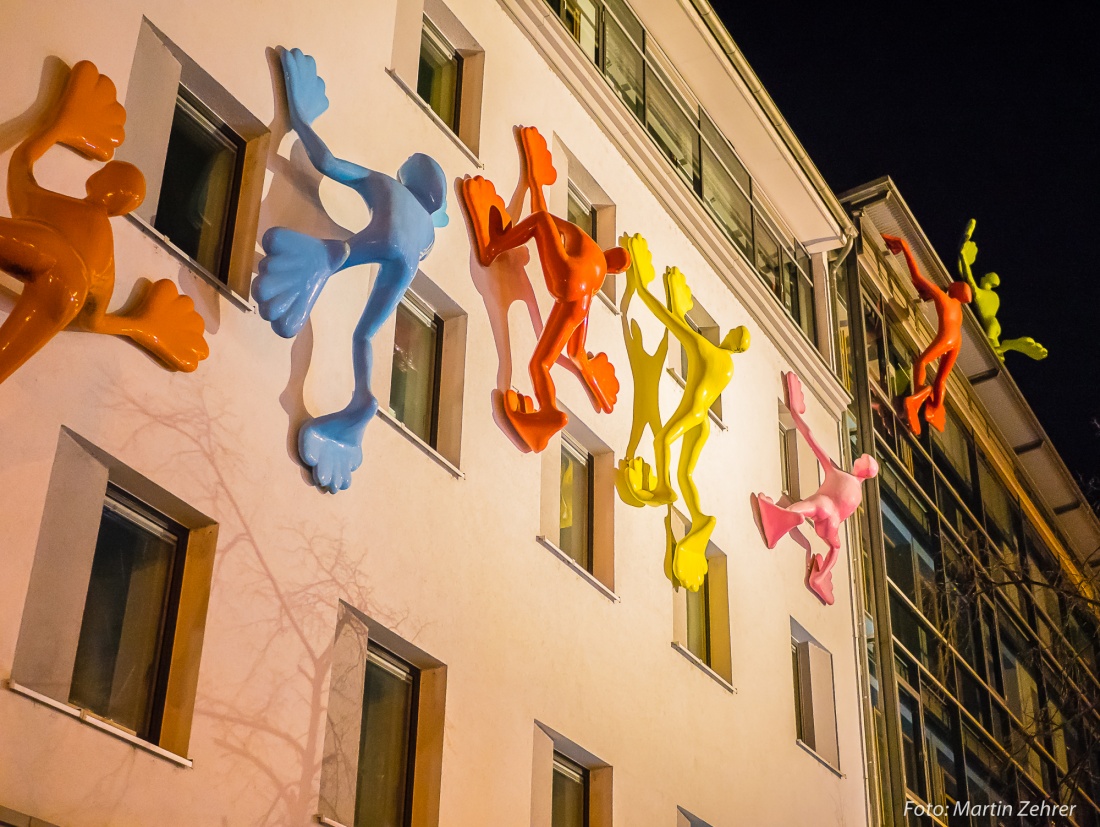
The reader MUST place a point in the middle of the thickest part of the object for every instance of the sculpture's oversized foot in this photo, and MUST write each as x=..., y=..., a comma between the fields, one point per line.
x=1025, y=345
x=635, y=482
x=775, y=520
x=605, y=390
x=292, y=275
x=332, y=446
x=819, y=580
x=912, y=409
x=533, y=427
x=539, y=160
x=167, y=325
x=689, y=561
x=936, y=416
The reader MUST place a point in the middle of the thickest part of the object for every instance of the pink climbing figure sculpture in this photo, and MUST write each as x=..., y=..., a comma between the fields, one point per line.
x=827, y=508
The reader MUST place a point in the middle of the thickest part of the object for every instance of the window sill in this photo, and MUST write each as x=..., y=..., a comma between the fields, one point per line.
x=438, y=121
x=407, y=432
x=92, y=720
x=680, y=381
x=583, y=572
x=710, y=673
x=238, y=301
x=328, y=822
x=820, y=760
x=607, y=300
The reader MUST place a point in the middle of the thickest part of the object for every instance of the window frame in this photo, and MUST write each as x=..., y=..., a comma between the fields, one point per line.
x=581, y=454
x=580, y=774
x=435, y=37
x=427, y=315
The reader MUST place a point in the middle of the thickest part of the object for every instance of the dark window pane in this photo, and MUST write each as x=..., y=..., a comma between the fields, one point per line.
x=439, y=76
x=575, y=535
x=623, y=65
x=580, y=212
x=414, y=378
x=569, y=807
x=726, y=187
x=671, y=126
x=767, y=254
x=698, y=621
x=388, y=723
x=119, y=649
x=799, y=723
x=582, y=20
x=911, y=743
x=195, y=209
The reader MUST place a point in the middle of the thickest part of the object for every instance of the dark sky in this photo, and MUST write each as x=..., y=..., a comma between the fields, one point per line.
x=974, y=115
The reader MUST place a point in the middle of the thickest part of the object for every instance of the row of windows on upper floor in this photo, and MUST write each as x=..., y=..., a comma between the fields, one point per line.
x=114, y=620
x=205, y=192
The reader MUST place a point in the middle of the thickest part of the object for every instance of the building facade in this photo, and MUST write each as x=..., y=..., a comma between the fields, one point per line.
x=978, y=558
x=192, y=632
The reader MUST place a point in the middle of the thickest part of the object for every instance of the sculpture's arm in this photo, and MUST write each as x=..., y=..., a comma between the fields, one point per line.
x=925, y=288
x=638, y=276
x=968, y=252
x=797, y=404
x=306, y=100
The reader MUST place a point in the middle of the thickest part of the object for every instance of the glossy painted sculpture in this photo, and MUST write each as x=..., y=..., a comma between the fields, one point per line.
x=574, y=267
x=945, y=346
x=988, y=303
x=405, y=212
x=709, y=371
x=835, y=500
x=62, y=248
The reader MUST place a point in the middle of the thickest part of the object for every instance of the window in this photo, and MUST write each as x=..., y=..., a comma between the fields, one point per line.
x=581, y=212
x=589, y=207
x=570, y=797
x=572, y=787
x=437, y=62
x=201, y=178
x=701, y=625
x=384, y=733
x=203, y=155
x=10, y=818
x=815, y=703
x=427, y=371
x=581, y=19
x=440, y=77
x=686, y=819
x=116, y=606
x=578, y=501
x=124, y=646
x=575, y=537
x=388, y=739
x=788, y=454
x=417, y=358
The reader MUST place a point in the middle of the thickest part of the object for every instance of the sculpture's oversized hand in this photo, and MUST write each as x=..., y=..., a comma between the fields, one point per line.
x=796, y=400
x=968, y=250
x=640, y=272
x=89, y=117
x=677, y=293
x=305, y=90
x=167, y=325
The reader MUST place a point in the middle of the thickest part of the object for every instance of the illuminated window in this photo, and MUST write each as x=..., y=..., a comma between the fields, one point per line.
x=569, y=806
x=417, y=359
x=815, y=702
x=575, y=537
x=439, y=80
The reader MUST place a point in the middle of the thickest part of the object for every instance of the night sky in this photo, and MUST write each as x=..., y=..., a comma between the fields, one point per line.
x=974, y=116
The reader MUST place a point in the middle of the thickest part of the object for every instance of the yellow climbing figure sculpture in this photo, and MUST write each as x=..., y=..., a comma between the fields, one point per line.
x=62, y=248
x=988, y=302
x=709, y=370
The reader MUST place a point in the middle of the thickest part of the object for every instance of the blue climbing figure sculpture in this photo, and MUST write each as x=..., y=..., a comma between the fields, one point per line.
x=405, y=212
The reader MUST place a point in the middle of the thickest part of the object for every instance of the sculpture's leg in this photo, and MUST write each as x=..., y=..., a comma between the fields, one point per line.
x=819, y=579
x=54, y=292
x=332, y=444
x=935, y=412
x=1025, y=345
x=165, y=323
x=597, y=373
x=913, y=404
x=681, y=421
x=536, y=426
x=690, y=561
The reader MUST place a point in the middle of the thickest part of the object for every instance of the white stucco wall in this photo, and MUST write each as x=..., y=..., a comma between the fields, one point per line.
x=449, y=564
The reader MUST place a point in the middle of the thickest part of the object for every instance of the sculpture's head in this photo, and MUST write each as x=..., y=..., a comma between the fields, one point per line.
x=118, y=186
x=618, y=260
x=424, y=178
x=737, y=340
x=865, y=467
x=960, y=292
x=990, y=280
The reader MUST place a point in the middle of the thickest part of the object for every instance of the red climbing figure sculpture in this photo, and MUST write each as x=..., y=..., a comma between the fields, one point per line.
x=574, y=267
x=945, y=346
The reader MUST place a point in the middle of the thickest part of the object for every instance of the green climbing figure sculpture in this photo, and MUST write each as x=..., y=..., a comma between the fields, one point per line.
x=987, y=302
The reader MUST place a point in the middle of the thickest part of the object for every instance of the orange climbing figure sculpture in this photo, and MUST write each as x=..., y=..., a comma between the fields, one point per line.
x=574, y=267
x=945, y=346
x=62, y=248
